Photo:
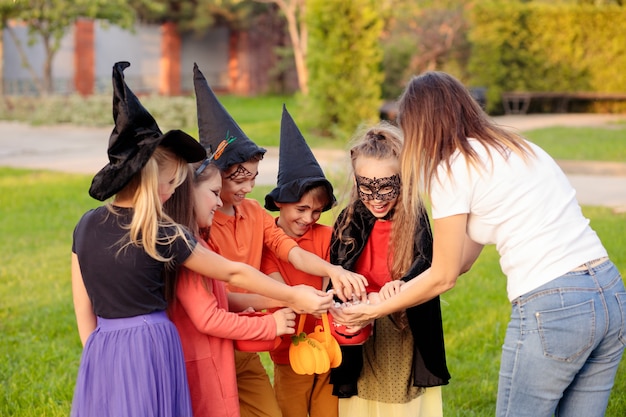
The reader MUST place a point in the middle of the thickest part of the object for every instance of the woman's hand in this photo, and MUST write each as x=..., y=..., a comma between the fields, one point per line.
x=355, y=316
x=307, y=299
x=285, y=321
x=348, y=285
x=353, y=320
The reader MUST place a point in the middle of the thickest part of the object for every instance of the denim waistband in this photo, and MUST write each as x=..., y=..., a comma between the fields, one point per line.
x=128, y=322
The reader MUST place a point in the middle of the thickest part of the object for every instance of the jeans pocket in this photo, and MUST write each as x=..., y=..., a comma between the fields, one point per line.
x=566, y=333
x=621, y=301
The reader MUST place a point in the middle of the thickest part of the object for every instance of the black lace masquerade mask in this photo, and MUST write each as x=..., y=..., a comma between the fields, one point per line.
x=383, y=189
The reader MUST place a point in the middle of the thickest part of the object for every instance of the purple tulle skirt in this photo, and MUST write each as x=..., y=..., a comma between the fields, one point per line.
x=132, y=367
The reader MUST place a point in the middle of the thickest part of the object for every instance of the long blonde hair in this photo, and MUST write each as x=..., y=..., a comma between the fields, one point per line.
x=437, y=115
x=148, y=216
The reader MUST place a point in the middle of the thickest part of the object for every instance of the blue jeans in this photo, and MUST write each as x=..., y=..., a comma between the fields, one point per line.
x=563, y=346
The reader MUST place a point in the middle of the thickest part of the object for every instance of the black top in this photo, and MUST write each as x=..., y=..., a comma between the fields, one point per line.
x=123, y=281
x=429, y=357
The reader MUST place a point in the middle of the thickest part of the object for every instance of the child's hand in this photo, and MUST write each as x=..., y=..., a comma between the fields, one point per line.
x=307, y=299
x=285, y=321
x=348, y=285
x=390, y=289
x=373, y=298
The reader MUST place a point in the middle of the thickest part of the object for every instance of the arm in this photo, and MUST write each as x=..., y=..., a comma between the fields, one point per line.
x=453, y=252
x=300, y=298
x=208, y=317
x=345, y=283
x=239, y=301
x=471, y=250
x=85, y=317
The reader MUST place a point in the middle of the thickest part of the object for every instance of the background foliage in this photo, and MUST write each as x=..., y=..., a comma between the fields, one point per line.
x=344, y=58
x=538, y=46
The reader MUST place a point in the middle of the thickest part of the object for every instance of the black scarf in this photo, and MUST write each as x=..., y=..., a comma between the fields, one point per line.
x=429, y=359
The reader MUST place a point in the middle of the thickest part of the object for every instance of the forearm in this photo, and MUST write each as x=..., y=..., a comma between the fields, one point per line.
x=419, y=290
x=86, y=324
x=310, y=263
x=241, y=301
x=83, y=309
x=208, y=263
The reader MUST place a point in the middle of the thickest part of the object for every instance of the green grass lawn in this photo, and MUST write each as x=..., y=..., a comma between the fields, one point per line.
x=40, y=348
x=582, y=143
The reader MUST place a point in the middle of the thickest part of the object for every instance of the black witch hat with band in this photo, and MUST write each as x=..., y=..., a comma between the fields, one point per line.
x=298, y=170
x=134, y=139
x=219, y=133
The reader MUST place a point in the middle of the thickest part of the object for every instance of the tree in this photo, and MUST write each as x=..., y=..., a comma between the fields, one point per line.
x=421, y=36
x=344, y=64
x=49, y=20
x=294, y=11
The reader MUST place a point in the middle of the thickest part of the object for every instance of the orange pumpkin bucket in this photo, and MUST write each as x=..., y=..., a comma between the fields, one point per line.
x=316, y=352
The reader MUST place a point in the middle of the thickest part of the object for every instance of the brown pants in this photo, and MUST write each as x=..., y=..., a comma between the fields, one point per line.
x=256, y=395
x=304, y=395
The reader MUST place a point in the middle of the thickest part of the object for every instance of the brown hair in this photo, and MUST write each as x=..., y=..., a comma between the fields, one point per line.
x=437, y=115
x=180, y=207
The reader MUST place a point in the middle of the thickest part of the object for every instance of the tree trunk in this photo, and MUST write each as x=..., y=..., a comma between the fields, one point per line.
x=294, y=13
x=25, y=61
x=298, y=41
x=1, y=62
x=48, y=88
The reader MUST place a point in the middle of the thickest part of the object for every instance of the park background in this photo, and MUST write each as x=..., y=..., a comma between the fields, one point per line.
x=359, y=54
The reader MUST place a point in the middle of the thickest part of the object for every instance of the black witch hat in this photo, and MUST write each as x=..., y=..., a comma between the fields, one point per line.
x=298, y=170
x=219, y=133
x=134, y=139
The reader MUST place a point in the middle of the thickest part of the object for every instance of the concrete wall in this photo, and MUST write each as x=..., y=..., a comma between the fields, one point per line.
x=17, y=79
x=141, y=47
x=210, y=52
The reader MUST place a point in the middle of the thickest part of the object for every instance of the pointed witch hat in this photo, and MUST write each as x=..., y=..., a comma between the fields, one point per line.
x=134, y=139
x=298, y=170
x=219, y=133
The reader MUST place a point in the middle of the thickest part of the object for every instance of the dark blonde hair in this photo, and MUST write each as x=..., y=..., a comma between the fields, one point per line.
x=382, y=141
x=437, y=115
x=148, y=215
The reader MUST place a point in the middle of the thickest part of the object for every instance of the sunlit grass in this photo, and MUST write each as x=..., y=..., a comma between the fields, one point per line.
x=40, y=348
x=583, y=143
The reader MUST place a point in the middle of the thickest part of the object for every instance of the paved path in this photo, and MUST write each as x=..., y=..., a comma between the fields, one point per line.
x=83, y=150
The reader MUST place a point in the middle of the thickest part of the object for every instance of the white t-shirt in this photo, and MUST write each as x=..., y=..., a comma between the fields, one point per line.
x=527, y=209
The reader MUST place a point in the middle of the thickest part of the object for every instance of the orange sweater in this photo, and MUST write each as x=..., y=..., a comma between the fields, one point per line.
x=244, y=236
x=317, y=241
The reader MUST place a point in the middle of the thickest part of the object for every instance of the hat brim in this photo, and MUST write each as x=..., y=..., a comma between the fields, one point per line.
x=293, y=191
x=183, y=145
x=114, y=177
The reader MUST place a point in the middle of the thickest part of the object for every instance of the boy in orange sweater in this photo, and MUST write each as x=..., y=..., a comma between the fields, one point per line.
x=242, y=230
x=301, y=195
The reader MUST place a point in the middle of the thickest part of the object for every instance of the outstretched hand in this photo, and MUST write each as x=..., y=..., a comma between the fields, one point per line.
x=348, y=285
x=355, y=316
x=311, y=301
x=285, y=321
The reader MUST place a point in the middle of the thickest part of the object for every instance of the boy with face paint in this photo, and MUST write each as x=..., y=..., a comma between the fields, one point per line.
x=242, y=230
x=301, y=195
x=399, y=371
